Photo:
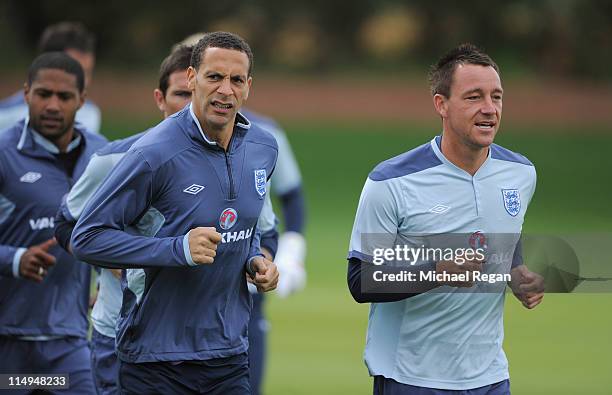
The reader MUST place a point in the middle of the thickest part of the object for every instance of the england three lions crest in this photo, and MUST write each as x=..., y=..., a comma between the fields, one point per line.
x=260, y=181
x=512, y=201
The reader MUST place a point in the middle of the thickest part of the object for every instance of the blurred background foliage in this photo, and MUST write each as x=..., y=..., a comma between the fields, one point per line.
x=565, y=38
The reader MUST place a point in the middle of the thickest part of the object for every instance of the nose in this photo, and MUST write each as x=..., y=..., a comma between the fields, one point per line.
x=53, y=104
x=488, y=107
x=225, y=88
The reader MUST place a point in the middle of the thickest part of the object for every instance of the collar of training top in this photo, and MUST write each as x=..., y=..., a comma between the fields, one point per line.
x=33, y=142
x=436, y=146
x=241, y=123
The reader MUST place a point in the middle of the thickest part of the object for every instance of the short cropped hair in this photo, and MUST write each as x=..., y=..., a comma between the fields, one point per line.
x=67, y=35
x=57, y=61
x=179, y=59
x=220, y=40
x=441, y=73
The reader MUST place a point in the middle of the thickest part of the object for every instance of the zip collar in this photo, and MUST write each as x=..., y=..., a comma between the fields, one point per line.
x=30, y=140
x=241, y=122
x=436, y=146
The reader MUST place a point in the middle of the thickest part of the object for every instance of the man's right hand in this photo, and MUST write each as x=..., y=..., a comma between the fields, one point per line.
x=36, y=260
x=467, y=268
x=203, y=242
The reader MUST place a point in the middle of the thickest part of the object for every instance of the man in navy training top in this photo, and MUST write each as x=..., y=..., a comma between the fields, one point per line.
x=201, y=170
x=74, y=39
x=171, y=95
x=286, y=185
x=44, y=290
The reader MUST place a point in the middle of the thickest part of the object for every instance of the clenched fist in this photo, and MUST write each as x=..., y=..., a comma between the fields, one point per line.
x=203, y=242
x=266, y=274
x=527, y=286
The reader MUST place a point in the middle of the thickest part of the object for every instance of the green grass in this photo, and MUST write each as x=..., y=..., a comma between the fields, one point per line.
x=317, y=336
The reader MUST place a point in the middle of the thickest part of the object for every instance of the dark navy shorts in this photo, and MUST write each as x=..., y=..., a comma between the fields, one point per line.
x=69, y=355
x=385, y=386
x=220, y=376
x=104, y=363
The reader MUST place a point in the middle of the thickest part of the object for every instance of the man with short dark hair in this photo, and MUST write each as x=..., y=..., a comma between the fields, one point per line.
x=443, y=334
x=171, y=95
x=201, y=170
x=290, y=254
x=75, y=40
x=44, y=291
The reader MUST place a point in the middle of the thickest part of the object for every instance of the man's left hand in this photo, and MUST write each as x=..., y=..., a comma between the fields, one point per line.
x=527, y=286
x=266, y=274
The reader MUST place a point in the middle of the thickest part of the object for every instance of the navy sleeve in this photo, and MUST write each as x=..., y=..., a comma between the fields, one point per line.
x=269, y=241
x=368, y=293
x=63, y=230
x=101, y=234
x=517, y=258
x=294, y=210
x=7, y=253
x=8, y=260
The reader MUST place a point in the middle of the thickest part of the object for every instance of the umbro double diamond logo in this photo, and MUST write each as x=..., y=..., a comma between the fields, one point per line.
x=439, y=209
x=30, y=177
x=193, y=189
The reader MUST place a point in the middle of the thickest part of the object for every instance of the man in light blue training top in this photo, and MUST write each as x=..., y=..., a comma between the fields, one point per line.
x=44, y=291
x=434, y=338
x=73, y=39
x=171, y=96
x=201, y=170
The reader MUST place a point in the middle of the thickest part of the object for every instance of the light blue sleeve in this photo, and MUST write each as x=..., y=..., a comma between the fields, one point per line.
x=267, y=219
x=89, y=115
x=95, y=172
x=376, y=221
x=286, y=175
x=11, y=114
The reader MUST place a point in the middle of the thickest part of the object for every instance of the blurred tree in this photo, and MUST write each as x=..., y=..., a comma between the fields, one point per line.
x=563, y=37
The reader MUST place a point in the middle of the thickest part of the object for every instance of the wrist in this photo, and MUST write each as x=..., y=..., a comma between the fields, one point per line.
x=17, y=261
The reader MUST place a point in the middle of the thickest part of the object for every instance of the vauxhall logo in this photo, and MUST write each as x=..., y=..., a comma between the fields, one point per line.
x=229, y=237
x=42, y=223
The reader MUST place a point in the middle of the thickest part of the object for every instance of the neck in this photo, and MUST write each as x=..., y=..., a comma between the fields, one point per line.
x=62, y=142
x=468, y=158
x=220, y=135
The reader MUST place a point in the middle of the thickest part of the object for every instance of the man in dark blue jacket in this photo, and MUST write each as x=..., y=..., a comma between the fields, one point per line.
x=43, y=290
x=203, y=171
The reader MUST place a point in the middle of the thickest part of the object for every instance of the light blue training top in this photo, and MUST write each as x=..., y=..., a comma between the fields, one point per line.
x=441, y=339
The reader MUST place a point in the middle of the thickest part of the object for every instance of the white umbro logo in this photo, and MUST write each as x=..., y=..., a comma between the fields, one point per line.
x=193, y=189
x=439, y=209
x=30, y=177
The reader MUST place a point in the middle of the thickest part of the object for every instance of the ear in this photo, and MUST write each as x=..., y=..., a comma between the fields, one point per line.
x=249, y=83
x=191, y=78
x=159, y=99
x=82, y=98
x=440, y=104
x=26, y=91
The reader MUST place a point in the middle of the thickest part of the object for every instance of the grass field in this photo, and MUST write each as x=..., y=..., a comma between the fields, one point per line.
x=317, y=336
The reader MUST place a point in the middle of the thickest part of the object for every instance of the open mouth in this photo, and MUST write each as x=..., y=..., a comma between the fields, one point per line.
x=485, y=125
x=222, y=106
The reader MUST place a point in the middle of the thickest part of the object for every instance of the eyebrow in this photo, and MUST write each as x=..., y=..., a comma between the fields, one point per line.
x=51, y=91
x=480, y=91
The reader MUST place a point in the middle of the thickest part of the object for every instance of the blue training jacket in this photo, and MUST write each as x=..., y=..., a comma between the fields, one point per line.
x=32, y=184
x=181, y=181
